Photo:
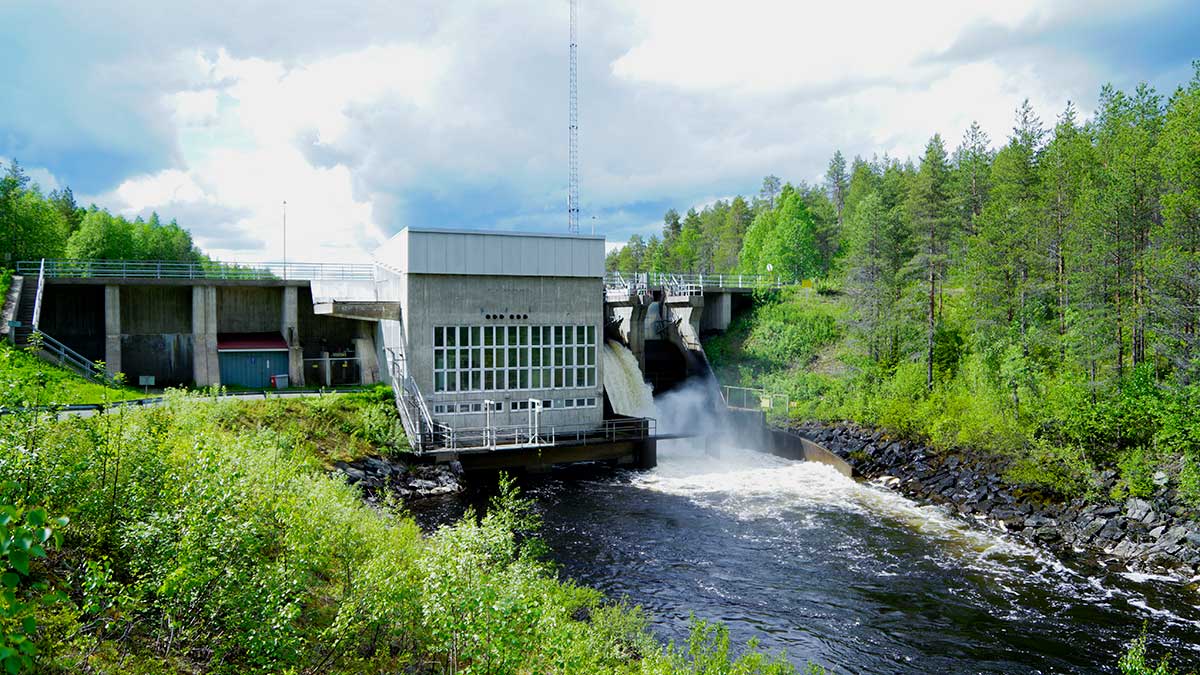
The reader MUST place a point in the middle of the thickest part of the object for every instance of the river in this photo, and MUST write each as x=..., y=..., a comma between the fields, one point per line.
x=849, y=575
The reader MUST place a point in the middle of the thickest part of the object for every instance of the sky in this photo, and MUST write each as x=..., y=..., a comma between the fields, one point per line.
x=367, y=116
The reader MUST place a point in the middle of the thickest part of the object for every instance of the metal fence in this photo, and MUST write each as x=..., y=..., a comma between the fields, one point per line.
x=498, y=437
x=168, y=269
x=775, y=407
x=616, y=280
x=333, y=371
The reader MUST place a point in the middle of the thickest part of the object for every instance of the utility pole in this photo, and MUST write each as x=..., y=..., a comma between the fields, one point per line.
x=573, y=124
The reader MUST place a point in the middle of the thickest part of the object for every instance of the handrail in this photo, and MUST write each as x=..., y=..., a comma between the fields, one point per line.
x=67, y=357
x=176, y=269
x=705, y=281
x=522, y=436
x=37, y=300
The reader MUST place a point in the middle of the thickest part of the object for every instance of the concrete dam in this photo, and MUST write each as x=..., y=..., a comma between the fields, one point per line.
x=503, y=349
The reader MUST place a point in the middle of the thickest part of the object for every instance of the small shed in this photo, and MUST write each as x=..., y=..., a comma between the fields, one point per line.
x=250, y=359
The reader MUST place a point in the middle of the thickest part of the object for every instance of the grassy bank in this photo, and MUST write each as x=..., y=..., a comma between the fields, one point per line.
x=210, y=537
x=1059, y=431
x=26, y=381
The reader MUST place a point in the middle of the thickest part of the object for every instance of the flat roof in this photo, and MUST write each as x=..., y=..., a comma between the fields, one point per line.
x=498, y=233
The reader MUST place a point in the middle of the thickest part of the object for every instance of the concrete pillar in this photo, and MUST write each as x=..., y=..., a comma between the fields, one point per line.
x=364, y=348
x=290, y=327
x=632, y=314
x=206, y=369
x=112, y=329
x=718, y=311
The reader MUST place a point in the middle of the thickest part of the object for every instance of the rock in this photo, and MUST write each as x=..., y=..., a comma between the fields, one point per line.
x=353, y=475
x=1160, y=478
x=457, y=467
x=1137, y=509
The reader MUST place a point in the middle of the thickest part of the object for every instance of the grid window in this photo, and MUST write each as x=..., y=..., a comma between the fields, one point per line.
x=513, y=358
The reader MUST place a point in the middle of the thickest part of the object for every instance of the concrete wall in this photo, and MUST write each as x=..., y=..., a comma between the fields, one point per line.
x=147, y=310
x=74, y=315
x=249, y=309
x=445, y=300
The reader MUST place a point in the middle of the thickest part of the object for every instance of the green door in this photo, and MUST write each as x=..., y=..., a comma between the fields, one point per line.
x=251, y=369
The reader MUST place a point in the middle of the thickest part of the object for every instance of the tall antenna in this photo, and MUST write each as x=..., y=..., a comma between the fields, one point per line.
x=573, y=171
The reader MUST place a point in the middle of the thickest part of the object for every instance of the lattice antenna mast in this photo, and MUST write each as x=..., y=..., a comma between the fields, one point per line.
x=573, y=151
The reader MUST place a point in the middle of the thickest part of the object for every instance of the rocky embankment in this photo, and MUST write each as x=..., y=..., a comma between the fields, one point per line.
x=379, y=476
x=1155, y=535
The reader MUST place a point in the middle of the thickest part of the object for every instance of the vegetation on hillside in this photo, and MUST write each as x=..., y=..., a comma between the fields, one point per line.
x=209, y=537
x=28, y=381
x=1041, y=300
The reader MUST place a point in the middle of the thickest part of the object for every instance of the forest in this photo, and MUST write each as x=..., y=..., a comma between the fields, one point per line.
x=34, y=225
x=1042, y=296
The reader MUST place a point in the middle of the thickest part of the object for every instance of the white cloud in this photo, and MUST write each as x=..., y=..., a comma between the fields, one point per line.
x=242, y=138
x=761, y=46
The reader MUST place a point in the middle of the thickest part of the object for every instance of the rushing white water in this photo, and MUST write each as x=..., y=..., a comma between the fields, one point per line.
x=627, y=390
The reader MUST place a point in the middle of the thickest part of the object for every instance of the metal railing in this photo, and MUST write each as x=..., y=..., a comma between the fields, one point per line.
x=758, y=400
x=56, y=352
x=516, y=436
x=170, y=269
x=704, y=281
x=37, y=299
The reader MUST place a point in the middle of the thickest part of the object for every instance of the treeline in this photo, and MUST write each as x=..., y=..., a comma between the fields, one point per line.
x=1073, y=245
x=35, y=225
x=794, y=229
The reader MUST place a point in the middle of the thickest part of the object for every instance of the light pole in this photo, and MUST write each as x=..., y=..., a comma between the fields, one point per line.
x=285, y=240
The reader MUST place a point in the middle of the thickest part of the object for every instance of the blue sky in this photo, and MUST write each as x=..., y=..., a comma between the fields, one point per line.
x=376, y=114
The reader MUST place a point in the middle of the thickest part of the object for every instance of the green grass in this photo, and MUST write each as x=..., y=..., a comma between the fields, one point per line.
x=26, y=380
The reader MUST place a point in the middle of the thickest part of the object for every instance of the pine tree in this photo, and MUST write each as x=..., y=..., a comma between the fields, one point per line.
x=929, y=209
x=837, y=181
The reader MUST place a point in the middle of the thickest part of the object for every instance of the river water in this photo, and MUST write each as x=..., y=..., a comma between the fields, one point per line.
x=849, y=575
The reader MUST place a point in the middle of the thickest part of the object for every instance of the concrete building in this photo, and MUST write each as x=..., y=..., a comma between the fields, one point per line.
x=497, y=330
x=207, y=331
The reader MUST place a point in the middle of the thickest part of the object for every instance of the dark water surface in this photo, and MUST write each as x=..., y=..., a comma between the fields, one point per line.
x=849, y=575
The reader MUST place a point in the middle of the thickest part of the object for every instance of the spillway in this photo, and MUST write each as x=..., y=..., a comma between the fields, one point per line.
x=627, y=390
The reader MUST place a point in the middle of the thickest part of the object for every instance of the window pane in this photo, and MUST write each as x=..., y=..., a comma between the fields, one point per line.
x=580, y=334
x=536, y=355
x=558, y=335
x=570, y=379
x=451, y=382
x=474, y=336
x=591, y=356
x=524, y=332
x=591, y=377
x=524, y=378
x=558, y=356
x=439, y=359
x=536, y=381
x=488, y=336
x=546, y=384
x=475, y=381
x=580, y=355
x=568, y=357
x=536, y=336
x=591, y=335
x=558, y=377
x=512, y=335
x=512, y=379
x=439, y=382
